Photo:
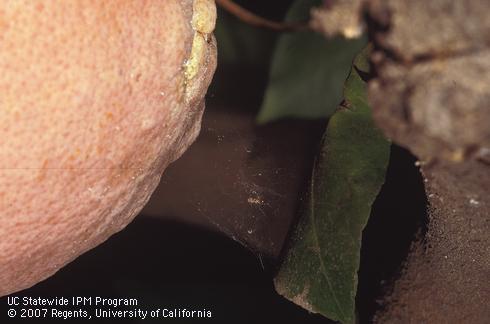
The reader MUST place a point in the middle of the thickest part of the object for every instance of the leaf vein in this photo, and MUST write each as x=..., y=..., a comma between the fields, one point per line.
x=318, y=246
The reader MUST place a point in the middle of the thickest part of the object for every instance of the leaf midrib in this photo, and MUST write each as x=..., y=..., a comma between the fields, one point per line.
x=319, y=249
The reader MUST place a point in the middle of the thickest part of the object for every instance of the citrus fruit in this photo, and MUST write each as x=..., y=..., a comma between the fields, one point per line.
x=96, y=99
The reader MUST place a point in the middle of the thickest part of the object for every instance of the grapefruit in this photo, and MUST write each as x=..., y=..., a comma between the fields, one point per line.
x=96, y=99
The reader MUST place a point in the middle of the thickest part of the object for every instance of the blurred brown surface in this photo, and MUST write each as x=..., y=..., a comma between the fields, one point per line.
x=240, y=179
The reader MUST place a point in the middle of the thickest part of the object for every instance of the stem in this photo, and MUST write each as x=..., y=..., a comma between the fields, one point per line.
x=257, y=21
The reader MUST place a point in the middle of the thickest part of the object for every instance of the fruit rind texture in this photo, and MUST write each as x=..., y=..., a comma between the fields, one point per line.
x=95, y=102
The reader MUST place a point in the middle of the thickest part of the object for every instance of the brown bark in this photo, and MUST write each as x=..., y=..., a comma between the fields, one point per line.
x=432, y=96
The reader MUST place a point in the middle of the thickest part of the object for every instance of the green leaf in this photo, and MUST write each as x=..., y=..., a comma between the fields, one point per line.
x=307, y=71
x=320, y=269
x=240, y=43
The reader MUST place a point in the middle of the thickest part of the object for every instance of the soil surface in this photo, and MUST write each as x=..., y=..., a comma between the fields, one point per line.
x=446, y=275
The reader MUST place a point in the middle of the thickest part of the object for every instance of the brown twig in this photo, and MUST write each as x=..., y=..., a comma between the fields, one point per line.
x=255, y=20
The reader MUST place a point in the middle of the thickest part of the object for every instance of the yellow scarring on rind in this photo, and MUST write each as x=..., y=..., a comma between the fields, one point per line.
x=203, y=23
x=198, y=54
x=204, y=17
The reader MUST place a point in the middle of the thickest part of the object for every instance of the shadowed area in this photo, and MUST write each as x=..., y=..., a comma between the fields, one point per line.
x=163, y=264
